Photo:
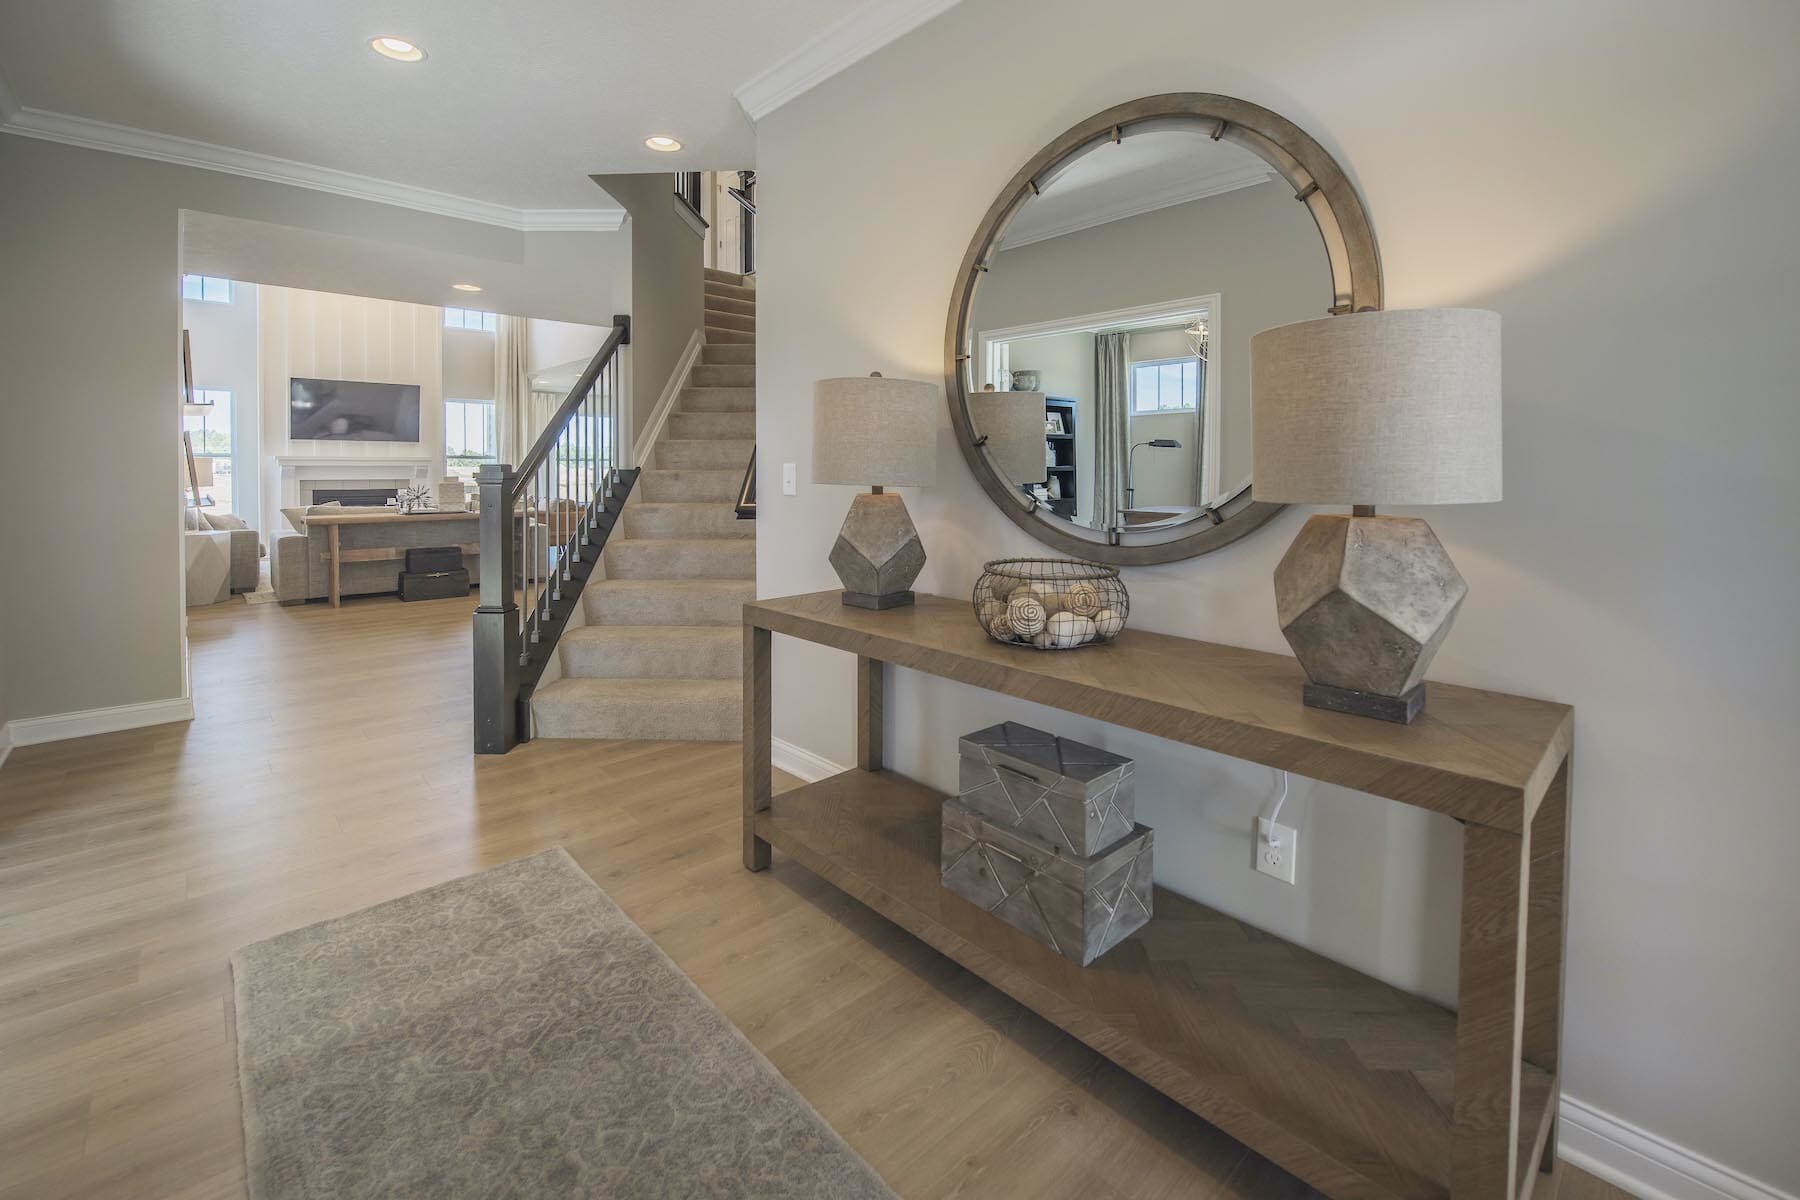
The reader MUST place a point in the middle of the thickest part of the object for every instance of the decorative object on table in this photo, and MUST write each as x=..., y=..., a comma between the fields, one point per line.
x=1077, y=799
x=1387, y=407
x=881, y=433
x=449, y=495
x=1026, y=381
x=1009, y=428
x=1053, y=424
x=414, y=498
x=1050, y=603
x=1079, y=906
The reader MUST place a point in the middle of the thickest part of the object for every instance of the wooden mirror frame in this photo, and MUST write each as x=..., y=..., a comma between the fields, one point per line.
x=1318, y=182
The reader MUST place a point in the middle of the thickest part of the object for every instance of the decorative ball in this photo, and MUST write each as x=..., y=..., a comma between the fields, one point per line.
x=1107, y=623
x=1068, y=630
x=993, y=618
x=1026, y=614
x=1044, y=641
x=1084, y=599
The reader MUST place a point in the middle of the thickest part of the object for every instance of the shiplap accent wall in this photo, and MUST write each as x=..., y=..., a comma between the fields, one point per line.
x=323, y=335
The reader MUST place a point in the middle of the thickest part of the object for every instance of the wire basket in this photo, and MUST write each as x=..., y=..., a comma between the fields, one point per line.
x=1050, y=603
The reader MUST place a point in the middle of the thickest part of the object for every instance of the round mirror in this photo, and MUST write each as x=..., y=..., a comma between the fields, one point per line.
x=1099, y=339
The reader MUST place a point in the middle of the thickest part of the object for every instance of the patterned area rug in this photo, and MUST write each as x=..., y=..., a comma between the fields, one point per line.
x=510, y=1034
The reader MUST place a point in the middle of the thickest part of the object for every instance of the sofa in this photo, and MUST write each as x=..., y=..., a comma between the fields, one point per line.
x=299, y=572
x=222, y=556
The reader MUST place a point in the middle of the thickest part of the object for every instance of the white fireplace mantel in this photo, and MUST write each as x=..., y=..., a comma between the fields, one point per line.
x=298, y=470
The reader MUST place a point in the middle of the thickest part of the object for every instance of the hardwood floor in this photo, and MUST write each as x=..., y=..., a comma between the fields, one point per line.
x=329, y=768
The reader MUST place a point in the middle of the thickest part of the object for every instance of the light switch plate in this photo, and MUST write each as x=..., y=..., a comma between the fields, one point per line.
x=1276, y=860
x=790, y=479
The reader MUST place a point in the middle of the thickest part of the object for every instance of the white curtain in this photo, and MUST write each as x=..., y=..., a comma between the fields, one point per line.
x=1198, y=497
x=1112, y=426
x=516, y=410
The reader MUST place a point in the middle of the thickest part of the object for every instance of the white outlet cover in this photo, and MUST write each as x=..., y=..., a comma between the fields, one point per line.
x=790, y=479
x=1275, y=860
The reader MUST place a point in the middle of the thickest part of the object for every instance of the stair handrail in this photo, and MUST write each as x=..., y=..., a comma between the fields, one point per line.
x=543, y=526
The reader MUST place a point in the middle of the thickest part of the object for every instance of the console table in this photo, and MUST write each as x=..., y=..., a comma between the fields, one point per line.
x=336, y=555
x=1363, y=1090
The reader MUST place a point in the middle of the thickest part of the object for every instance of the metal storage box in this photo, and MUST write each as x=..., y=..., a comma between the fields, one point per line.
x=435, y=585
x=1078, y=799
x=1079, y=907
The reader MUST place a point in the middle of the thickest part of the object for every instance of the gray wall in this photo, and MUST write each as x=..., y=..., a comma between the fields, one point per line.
x=90, y=320
x=667, y=284
x=1616, y=179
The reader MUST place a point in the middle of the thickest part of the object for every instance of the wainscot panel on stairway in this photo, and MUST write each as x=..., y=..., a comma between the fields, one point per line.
x=660, y=654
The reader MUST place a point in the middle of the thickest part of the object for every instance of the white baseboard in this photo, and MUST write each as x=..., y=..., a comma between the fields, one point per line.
x=29, y=731
x=1645, y=1165
x=665, y=403
x=802, y=763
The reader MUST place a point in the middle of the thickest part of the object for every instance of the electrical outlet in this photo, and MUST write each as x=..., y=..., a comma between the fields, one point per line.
x=790, y=479
x=1276, y=860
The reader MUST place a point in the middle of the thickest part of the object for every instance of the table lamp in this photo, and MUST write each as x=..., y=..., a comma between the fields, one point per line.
x=879, y=433
x=1010, y=427
x=1364, y=409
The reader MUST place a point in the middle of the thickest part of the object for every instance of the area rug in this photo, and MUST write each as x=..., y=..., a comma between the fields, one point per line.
x=512, y=1034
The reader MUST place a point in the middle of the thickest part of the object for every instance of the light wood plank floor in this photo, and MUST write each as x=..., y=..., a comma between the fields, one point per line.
x=328, y=769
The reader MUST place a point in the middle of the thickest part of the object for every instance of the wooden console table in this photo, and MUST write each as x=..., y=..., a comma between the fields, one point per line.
x=336, y=555
x=1362, y=1090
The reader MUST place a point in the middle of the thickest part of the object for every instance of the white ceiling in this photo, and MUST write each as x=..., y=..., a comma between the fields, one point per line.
x=1147, y=171
x=516, y=105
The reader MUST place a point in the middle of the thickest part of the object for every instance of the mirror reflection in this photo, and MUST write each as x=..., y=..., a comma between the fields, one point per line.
x=1119, y=307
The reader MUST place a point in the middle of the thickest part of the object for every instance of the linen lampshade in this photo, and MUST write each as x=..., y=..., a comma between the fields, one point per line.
x=203, y=471
x=875, y=432
x=1391, y=407
x=1013, y=423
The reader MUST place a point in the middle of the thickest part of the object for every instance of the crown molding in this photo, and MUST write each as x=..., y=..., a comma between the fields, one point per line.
x=185, y=152
x=1215, y=184
x=849, y=39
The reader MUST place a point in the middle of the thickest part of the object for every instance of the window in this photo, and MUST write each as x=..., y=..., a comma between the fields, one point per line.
x=210, y=435
x=209, y=288
x=1165, y=385
x=471, y=318
x=468, y=437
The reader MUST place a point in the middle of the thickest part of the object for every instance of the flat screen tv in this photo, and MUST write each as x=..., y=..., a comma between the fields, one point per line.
x=345, y=410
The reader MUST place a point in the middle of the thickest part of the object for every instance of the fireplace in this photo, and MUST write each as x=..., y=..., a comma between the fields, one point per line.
x=356, y=497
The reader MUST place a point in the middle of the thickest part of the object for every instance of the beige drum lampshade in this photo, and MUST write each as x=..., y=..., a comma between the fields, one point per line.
x=875, y=432
x=1013, y=423
x=1393, y=407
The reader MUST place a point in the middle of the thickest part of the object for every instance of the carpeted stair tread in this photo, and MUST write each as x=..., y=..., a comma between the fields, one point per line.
x=734, y=426
x=681, y=558
x=718, y=302
x=720, y=275
x=729, y=291
x=705, y=454
x=721, y=354
x=716, y=318
x=640, y=709
x=652, y=652
x=668, y=601
x=730, y=375
x=720, y=485
x=730, y=337
x=717, y=399
x=676, y=519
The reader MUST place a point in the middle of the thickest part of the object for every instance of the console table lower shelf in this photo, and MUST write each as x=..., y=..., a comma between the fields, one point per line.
x=1339, y=1077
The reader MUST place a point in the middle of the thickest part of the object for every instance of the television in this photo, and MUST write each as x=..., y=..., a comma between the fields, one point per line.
x=347, y=410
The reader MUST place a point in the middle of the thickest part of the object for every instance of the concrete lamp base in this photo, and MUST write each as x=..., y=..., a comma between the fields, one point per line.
x=878, y=553
x=1365, y=602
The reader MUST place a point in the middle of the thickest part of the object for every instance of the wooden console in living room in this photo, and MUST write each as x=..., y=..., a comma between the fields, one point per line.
x=1363, y=1090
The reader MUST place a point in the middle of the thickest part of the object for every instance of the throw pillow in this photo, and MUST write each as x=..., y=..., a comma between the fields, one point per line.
x=296, y=519
x=217, y=521
x=190, y=519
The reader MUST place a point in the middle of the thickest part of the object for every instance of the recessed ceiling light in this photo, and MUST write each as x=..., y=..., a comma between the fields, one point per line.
x=466, y=287
x=398, y=49
x=667, y=145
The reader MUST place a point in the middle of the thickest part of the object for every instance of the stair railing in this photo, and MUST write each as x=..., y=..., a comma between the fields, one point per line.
x=543, y=526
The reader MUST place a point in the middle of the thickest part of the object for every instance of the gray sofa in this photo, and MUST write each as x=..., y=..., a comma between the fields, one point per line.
x=298, y=570
x=223, y=557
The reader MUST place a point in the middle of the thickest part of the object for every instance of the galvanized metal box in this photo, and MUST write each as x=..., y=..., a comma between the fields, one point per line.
x=1079, y=907
x=1077, y=799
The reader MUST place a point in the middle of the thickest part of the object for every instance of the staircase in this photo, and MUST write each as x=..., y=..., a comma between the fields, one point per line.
x=661, y=654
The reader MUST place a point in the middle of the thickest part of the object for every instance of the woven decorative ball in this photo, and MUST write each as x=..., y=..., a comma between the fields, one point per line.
x=1050, y=603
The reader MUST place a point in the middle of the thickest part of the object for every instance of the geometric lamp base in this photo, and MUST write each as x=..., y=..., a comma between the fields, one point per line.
x=878, y=600
x=1399, y=709
x=878, y=554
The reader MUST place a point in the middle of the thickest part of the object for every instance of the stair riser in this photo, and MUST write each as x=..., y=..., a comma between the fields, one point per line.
x=666, y=606
x=731, y=377
x=692, y=486
x=704, y=400
x=729, y=337
x=729, y=304
x=686, y=521
x=662, y=558
x=705, y=456
x=729, y=278
x=725, y=354
x=718, y=721
x=677, y=659
x=729, y=320
x=730, y=426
